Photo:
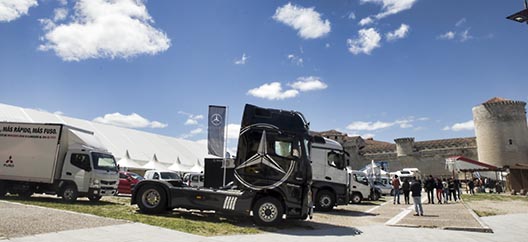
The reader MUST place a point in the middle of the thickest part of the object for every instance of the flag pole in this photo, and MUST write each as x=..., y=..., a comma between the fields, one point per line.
x=225, y=144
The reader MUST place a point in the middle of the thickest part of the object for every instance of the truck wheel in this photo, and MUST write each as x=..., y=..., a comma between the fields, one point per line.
x=375, y=196
x=325, y=201
x=152, y=199
x=3, y=189
x=69, y=193
x=267, y=211
x=356, y=198
x=94, y=198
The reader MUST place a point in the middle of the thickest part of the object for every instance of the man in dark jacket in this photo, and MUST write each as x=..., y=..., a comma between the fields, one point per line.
x=416, y=189
x=429, y=188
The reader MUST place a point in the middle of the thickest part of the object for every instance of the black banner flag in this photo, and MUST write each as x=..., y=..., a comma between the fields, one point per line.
x=216, y=130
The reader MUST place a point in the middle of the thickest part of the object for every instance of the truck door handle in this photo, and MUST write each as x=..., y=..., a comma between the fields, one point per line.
x=68, y=173
x=328, y=178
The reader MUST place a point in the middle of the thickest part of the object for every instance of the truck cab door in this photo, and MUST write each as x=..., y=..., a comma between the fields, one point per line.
x=77, y=168
x=335, y=170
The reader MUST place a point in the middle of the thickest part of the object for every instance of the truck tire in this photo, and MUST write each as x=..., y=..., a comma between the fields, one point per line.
x=151, y=199
x=356, y=198
x=94, y=198
x=267, y=211
x=375, y=196
x=69, y=193
x=3, y=189
x=325, y=201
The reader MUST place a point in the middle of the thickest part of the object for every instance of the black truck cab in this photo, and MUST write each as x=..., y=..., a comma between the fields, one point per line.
x=272, y=173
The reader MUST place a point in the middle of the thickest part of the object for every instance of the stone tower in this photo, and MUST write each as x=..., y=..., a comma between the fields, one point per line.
x=404, y=146
x=502, y=132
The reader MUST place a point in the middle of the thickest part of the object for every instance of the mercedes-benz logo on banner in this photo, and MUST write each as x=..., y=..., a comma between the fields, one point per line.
x=216, y=119
x=263, y=159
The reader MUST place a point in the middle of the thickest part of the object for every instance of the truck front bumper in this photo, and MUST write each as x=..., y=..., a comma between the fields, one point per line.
x=103, y=191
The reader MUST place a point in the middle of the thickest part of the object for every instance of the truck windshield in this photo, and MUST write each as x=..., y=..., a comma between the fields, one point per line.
x=104, y=162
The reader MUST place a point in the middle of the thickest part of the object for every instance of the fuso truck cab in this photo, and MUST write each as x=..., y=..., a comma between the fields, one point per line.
x=333, y=182
x=272, y=174
x=55, y=159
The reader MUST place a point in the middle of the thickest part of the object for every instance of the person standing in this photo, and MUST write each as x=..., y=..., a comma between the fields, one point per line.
x=396, y=189
x=429, y=188
x=445, y=187
x=471, y=186
x=458, y=187
x=439, y=190
x=451, y=186
x=416, y=189
x=406, y=188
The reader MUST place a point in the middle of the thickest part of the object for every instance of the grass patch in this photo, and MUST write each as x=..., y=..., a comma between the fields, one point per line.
x=484, y=213
x=206, y=224
x=493, y=197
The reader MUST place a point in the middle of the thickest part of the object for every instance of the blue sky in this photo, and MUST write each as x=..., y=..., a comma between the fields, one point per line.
x=415, y=70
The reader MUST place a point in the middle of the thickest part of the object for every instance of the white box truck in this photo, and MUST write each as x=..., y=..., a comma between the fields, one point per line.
x=54, y=159
x=333, y=182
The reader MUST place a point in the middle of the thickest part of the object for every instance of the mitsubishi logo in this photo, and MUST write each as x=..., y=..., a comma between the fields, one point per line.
x=262, y=157
x=9, y=162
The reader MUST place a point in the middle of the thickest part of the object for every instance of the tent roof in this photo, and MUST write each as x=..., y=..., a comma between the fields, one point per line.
x=461, y=163
x=142, y=145
x=127, y=162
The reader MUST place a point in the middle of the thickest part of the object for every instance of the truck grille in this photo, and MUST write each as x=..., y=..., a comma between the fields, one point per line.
x=108, y=182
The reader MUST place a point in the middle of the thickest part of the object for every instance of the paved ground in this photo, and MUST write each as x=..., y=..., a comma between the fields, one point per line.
x=366, y=222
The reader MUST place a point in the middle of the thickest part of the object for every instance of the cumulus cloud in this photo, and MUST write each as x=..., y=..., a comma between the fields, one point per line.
x=448, y=35
x=13, y=9
x=133, y=120
x=242, y=60
x=105, y=29
x=309, y=83
x=399, y=33
x=296, y=59
x=233, y=131
x=60, y=14
x=469, y=125
x=390, y=7
x=366, y=21
x=306, y=21
x=192, y=119
x=368, y=40
x=372, y=126
x=272, y=91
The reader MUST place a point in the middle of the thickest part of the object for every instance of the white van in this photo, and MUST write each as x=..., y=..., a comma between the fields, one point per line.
x=162, y=175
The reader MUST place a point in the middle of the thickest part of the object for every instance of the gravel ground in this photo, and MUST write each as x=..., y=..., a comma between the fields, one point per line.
x=499, y=207
x=21, y=220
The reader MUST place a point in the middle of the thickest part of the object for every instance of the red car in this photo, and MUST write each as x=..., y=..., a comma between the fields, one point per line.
x=127, y=181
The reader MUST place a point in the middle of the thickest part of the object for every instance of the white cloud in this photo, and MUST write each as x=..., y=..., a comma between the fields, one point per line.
x=192, y=119
x=460, y=22
x=106, y=29
x=60, y=14
x=233, y=131
x=63, y=2
x=242, y=60
x=465, y=36
x=351, y=15
x=368, y=136
x=469, y=125
x=309, y=83
x=366, y=21
x=390, y=7
x=448, y=35
x=399, y=33
x=369, y=126
x=197, y=131
x=272, y=91
x=305, y=20
x=368, y=40
x=296, y=59
x=13, y=9
x=133, y=120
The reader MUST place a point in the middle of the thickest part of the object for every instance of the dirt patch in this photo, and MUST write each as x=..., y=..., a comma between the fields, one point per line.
x=489, y=208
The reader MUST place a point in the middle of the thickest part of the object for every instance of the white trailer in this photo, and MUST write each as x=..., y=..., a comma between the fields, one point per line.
x=333, y=183
x=54, y=159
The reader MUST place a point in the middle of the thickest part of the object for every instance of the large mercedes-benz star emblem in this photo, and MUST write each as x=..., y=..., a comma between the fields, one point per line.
x=216, y=119
x=262, y=157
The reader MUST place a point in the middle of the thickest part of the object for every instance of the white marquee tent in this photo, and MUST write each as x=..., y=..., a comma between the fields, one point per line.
x=127, y=162
x=141, y=145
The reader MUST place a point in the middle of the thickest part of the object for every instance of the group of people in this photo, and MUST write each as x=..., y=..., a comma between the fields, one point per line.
x=444, y=190
x=413, y=188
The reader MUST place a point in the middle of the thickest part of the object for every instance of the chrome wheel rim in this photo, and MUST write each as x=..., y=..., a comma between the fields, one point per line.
x=268, y=212
x=325, y=201
x=68, y=193
x=151, y=198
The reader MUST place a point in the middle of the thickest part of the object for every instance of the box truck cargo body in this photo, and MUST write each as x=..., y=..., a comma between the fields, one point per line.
x=54, y=159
